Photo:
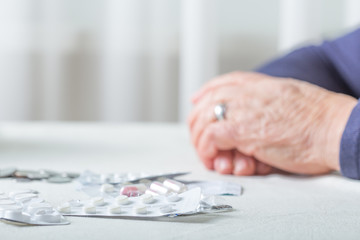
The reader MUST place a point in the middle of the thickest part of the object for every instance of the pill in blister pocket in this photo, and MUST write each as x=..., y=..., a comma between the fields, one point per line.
x=133, y=190
x=147, y=198
x=97, y=201
x=114, y=209
x=7, y=202
x=122, y=200
x=90, y=209
x=173, y=198
x=159, y=188
x=35, y=207
x=149, y=191
x=47, y=216
x=175, y=185
x=65, y=208
x=140, y=209
x=14, y=193
x=25, y=197
x=107, y=188
x=166, y=209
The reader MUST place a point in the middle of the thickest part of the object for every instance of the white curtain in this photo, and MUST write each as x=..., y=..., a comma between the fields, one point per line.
x=141, y=60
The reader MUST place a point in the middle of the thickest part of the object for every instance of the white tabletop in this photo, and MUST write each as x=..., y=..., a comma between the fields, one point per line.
x=271, y=207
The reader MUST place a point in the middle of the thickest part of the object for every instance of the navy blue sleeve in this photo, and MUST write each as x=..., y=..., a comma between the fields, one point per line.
x=334, y=65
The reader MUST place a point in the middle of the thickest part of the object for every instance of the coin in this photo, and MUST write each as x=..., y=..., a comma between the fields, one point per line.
x=59, y=179
x=38, y=175
x=23, y=173
x=7, y=172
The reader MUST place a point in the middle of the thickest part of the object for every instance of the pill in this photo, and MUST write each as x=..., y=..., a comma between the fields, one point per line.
x=89, y=209
x=152, y=192
x=173, y=198
x=2, y=193
x=122, y=200
x=147, y=198
x=133, y=190
x=166, y=209
x=64, y=208
x=107, y=188
x=59, y=179
x=114, y=209
x=75, y=203
x=25, y=197
x=47, y=217
x=97, y=201
x=140, y=209
x=7, y=202
x=4, y=198
x=14, y=193
x=35, y=207
x=175, y=185
x=159, y=188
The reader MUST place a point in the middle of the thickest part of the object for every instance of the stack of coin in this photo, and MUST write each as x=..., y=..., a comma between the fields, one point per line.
x=42, y=174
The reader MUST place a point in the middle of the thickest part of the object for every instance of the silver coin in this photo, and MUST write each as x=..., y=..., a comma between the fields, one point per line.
x=59, y=179
x=38, y=176
x=23, y=173
x=7, y=172
x=70, y=174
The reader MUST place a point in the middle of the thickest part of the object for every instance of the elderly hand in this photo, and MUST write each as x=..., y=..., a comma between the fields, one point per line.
x=283, y=123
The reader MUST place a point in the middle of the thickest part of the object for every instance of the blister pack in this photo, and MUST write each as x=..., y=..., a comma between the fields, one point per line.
x=26, y=207
x=145, y=205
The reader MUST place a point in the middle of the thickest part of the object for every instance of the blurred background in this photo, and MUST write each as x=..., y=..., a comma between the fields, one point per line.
x=141, y=60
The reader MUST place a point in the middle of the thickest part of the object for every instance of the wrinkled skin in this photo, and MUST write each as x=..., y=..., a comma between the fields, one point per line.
x=271, y=123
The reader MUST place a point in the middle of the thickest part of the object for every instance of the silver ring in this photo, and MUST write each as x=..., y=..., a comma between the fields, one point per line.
x=219, y=111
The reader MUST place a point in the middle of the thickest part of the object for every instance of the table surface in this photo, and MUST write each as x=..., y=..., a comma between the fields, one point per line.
x=271, y=207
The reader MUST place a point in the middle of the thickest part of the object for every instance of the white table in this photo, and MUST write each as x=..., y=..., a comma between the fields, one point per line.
x=271, y=207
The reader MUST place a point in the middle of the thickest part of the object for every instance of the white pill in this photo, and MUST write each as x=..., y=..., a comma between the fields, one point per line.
x=25, y=197
x=14, y=193
x=147, y=198
x=140, y=209
x=97, y=201
x=173, y=198
x=4, y=198
x=159, y=188
x=47, y=217
x=166, y=209
x=89, y=209
x=107, y=188
x=122, y=200
x=7, y=202
x=114, y=209
x=175, y=185
x=35, y=207
x=152, y=192
x=65, y=208
x=75, y=203
x=1, y=193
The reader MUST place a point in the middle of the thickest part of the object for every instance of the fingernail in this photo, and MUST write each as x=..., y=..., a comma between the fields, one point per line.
x=222, y=164
x=240, y=165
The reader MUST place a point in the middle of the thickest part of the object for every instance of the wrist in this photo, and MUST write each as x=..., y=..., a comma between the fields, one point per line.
x=339, y=108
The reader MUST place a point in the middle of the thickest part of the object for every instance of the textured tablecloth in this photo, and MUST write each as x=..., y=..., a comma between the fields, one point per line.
x=271, y=207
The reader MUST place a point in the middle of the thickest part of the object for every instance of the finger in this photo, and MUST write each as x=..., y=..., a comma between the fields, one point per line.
x=262, y=168
x=243, y=165
x=228, y=79
x=223, y=162
x=217, y=136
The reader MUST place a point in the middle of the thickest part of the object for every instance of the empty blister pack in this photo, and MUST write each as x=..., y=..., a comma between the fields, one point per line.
x=25, y=206
x=145, y=205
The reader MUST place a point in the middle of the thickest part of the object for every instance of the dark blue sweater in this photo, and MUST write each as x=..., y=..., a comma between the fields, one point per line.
x=334, y=65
